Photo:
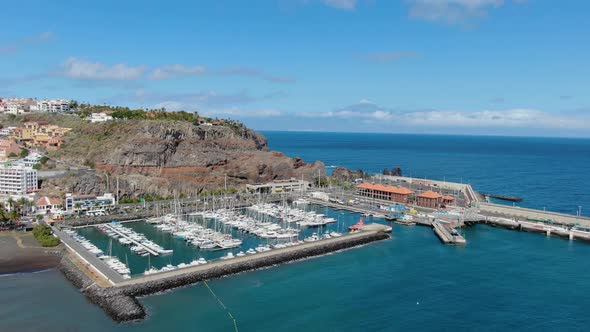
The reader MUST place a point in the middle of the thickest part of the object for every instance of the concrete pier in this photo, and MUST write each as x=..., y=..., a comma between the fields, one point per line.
x=445, y=234
x=147, y=248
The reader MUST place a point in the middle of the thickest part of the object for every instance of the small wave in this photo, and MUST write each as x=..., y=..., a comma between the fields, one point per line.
x=24, y=272
x=331, y=166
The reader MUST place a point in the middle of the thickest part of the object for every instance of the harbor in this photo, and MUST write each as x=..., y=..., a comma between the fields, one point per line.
x=119, y=300
x=139, y=257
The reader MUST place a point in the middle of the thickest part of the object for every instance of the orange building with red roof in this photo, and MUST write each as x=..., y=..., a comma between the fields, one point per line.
x=388, y=193
x=448, y=200
x=429, y=199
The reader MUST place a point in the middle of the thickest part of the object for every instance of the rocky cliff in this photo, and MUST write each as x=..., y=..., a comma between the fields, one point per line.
x=163, y=157
x=342, y=173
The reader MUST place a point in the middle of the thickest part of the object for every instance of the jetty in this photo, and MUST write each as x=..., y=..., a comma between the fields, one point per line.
x=119, y=300
x=447, y=234
x=147, y=248
x=503, y=197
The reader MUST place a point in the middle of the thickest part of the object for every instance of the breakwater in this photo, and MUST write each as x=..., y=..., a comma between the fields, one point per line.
x=120, y=302
x=118, y=305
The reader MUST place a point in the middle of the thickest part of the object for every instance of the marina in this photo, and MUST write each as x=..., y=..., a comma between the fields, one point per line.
x=202, y=237
x=119, y=301
x=214, y=242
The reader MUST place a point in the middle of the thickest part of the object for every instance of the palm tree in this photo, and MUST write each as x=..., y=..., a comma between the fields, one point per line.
x=3, y=213
x=24, y=205
x=13, y=216
x=10, y=203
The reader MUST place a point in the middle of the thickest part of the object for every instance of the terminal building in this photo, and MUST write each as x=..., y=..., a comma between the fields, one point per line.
x=278, y=186
x=17, y=180
x=387, y=193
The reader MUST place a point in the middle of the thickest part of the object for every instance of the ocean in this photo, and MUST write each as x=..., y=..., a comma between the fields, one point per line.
x=501, y=280
x=550, y=173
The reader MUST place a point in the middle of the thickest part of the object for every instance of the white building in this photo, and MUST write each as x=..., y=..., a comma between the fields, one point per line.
x=12, y=108
x=17, y=180
x=99, y=117
x=29, y=161
x=6, y=131
x=26, y=105
x=48, y=205
x=279, y=186
x=75, y=203
x=53, y=105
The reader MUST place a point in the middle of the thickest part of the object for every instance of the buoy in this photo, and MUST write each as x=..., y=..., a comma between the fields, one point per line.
x=417, y=303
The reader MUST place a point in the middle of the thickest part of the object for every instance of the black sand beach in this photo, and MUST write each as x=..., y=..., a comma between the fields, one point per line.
x=20, y=252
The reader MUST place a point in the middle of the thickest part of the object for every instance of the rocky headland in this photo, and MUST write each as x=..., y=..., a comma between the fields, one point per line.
x=164, y=158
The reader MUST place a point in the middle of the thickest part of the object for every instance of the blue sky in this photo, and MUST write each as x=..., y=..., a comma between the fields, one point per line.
x=497, y=67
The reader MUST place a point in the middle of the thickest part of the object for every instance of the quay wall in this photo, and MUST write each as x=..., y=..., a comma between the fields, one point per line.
x=89, y=221
x=148, y=213
x=440, y=184
x=525, y=213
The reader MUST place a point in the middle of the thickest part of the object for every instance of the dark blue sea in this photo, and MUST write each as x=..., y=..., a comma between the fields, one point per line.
x=501, y=280
x=551, y=173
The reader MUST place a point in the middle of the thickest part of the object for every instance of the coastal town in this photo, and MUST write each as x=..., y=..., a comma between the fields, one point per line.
x=113, y=241
x=295, y=165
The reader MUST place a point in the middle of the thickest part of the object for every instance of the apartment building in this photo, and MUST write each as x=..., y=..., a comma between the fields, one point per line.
x=17, y=180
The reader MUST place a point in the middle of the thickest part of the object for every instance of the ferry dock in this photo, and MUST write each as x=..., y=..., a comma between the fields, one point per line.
x=445, y=231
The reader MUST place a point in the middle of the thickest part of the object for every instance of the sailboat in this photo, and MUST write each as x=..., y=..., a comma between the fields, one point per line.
x=150, y=269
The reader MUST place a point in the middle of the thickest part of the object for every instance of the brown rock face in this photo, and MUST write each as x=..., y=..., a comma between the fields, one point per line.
x=160, y=157
x=345, y=174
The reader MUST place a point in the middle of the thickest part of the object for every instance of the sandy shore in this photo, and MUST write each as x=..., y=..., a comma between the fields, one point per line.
x=20, y=252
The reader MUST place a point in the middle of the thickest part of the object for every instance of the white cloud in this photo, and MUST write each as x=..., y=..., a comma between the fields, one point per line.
x=521, y=118
x=176, y=70
x=510, y=118
x=384, y=57
x=453, y=11
x=42, y=37
x=85, y=70
x=341, y=4
x=338, y=4
x=237, y=112
x=221, y=112
x=255, y=73
x=17, y=46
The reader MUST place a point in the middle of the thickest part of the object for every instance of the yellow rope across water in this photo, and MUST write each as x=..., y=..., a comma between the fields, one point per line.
x=223, y=306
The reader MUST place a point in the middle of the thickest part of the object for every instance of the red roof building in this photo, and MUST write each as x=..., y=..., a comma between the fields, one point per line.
x=46, y=204
x=429, y=199
x=448, y=200
x=388, y=193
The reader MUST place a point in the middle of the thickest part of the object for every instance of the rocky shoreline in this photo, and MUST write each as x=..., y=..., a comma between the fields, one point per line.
x=120, y=302
x=118, y=305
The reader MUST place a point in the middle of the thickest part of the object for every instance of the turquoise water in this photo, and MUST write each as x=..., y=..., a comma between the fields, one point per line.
x=185, y=252
x=501, y=280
